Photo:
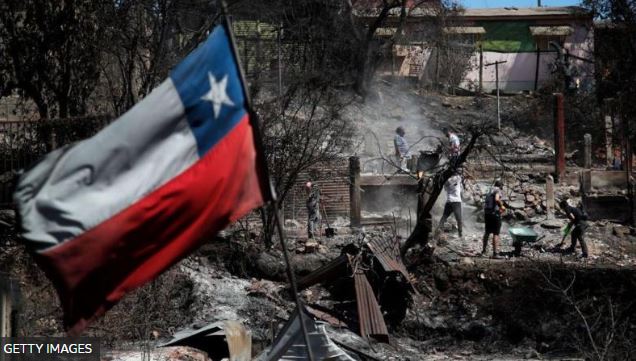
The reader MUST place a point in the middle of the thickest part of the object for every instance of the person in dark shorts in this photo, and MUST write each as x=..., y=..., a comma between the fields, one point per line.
x=578, y=220
x=493, y=208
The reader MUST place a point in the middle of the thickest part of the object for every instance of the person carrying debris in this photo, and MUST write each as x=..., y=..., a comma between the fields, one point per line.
x=493, y=208
x=453, y=188
x=454, y=147
x=577, y=226
x=401, y=148
x=313, y=209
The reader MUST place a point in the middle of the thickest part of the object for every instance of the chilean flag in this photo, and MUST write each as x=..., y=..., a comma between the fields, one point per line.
x=110, y=213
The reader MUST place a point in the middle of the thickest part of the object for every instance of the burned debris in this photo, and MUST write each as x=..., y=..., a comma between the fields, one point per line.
x=228, y=339
x=289, y=344
x=371, y=283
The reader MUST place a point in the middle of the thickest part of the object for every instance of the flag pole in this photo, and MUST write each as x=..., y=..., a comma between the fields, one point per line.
x=266, y=184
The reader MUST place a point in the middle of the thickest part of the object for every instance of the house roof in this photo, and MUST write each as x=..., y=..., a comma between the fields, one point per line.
x=524, y=12
x=372, y=8
x=430, y=8
x=551, y=30
x=464, y=30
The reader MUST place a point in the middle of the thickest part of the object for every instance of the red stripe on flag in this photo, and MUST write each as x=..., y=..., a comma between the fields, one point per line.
x=93, y=271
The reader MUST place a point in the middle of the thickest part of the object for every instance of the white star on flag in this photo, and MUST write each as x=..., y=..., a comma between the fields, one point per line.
x=217, y=94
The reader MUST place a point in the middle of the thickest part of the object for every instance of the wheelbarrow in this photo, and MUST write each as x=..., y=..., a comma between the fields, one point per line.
x=521, y=235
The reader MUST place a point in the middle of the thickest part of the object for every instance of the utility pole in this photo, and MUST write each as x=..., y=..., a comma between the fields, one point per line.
x=559, y=137
x=496, y=64
x=481, y=68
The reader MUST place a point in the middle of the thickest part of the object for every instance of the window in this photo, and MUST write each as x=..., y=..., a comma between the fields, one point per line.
x=543, y=35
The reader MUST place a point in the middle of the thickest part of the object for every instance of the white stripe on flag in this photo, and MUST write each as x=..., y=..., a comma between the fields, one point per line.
x=74, y=189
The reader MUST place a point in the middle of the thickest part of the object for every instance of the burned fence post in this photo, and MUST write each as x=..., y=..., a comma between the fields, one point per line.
x=559, y=137
x=5, y=313
x=9, y=305
x=587, y=151
x=355, y=197
x=549, y=196
x=632, y=185
x=585, y=180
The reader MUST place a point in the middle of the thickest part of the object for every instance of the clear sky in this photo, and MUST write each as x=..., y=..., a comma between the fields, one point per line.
x=516, y=3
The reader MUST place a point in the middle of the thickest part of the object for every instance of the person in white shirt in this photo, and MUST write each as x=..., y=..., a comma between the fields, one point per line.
x=453, y=188
x=454, y=148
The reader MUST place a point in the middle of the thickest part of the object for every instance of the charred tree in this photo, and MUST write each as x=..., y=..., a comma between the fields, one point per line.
x=429, y=191
x=49, y=54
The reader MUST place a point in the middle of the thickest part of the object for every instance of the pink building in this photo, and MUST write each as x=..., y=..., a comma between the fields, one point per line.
x=519, y=36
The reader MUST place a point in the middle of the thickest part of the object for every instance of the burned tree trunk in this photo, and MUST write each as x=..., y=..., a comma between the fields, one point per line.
x=428, y=192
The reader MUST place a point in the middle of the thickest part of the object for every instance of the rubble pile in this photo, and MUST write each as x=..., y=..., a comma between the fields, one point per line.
x=512, y=144
x=370, y=267
x=527, y=202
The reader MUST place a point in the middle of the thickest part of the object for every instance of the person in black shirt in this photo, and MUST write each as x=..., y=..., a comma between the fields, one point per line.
x=493, y=208
x=578, y=220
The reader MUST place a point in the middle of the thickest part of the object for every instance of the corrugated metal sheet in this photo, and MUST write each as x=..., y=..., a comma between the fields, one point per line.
x=333, y=180
x=189, y=333
x=387, y=252
x=290, y=345
x=369, y=313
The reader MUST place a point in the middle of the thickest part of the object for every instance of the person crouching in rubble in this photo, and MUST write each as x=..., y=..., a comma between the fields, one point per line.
x=453, y=188
x=313, y=209
x=578, y=220
x=493, y=208
x=401, y=149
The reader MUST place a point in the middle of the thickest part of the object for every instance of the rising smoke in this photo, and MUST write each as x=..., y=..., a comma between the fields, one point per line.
x=388, y=107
